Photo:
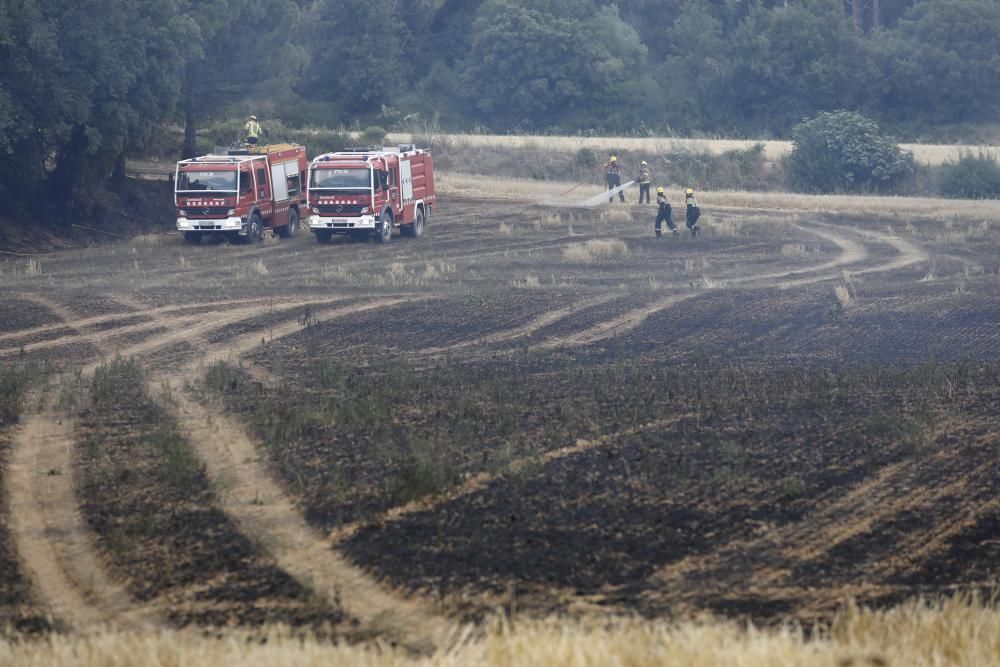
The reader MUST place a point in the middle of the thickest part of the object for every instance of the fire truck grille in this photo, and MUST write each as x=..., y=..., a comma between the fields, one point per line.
x=207, y=212
x=340, y=209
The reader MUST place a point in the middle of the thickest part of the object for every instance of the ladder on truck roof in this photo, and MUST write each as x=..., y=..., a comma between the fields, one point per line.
x=365, y=152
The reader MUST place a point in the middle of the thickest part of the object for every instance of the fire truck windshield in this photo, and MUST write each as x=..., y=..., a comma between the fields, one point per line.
x=188, y=181
x=340, y=179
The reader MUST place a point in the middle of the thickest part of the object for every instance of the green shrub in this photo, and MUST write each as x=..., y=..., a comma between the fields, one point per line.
x=373, y=135
x=585, y=157
x=972, y=177
x=843, y=151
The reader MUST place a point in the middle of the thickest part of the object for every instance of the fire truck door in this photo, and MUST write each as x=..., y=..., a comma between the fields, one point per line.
x=262, y=189
x=406, y=180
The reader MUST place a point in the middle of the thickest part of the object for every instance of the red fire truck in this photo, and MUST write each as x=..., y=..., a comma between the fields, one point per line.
x=242, y=192
x=365, y=191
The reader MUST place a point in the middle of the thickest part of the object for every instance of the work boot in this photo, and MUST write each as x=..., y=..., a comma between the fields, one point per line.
x=676, y=231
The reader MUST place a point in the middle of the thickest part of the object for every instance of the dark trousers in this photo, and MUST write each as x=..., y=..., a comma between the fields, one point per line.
x=644, y=190
x=251, y=140
x=693, y=213
x=664, y=216
x=614, y=180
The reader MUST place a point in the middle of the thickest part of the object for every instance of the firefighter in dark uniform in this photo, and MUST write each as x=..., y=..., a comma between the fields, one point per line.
x=663, y=213
x=614, y=177
x=252, y=129
x=644, y=181
x=693, y=212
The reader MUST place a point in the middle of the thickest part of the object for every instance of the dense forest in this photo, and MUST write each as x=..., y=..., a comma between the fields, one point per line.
x=82, y=83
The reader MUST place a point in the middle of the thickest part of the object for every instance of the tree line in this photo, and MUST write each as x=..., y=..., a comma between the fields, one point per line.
x=83, y=83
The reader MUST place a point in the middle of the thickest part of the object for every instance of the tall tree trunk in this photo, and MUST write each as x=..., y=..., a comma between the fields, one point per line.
x=876, y=15
x=118, y=173
x=189, y=150
x=856, y=13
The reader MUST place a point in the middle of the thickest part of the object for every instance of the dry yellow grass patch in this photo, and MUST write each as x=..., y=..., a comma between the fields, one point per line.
x=548, y=193
x=932, y=154
x=954, y=633
x=595, y=250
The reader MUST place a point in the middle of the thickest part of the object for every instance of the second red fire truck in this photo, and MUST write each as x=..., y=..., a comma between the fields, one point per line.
x=371, y=191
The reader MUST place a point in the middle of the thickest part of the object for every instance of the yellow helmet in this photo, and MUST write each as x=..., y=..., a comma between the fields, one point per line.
x=643, y=163
x=613, y=159
x=689, y=191
x=660, y=189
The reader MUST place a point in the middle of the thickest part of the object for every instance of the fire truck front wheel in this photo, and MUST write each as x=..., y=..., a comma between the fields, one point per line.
x=385, y=229
x=255, y=230
x=192, y=237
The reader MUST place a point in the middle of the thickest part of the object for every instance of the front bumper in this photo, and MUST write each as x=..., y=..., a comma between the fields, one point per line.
x=367, y=222
x=233, y=224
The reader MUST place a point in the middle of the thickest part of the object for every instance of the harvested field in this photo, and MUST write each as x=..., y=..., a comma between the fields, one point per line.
x=534, y=408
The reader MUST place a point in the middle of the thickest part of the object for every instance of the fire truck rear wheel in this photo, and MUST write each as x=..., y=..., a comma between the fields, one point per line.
x=385, y=231
x=291, y=227
x=192, y=237
x=415, y=228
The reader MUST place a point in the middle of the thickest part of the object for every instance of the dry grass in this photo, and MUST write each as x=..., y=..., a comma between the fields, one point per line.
x=616, y=214
x=547, y=193
x=595, y=250
x=954, y=633
x=932, y=154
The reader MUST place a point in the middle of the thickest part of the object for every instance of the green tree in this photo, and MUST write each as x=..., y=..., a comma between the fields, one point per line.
x=843, y=151
x=75, y=100
x=971, y=177
x=357, y=59
x=537, y=64
x=942, y=64
x=239, y=47
x=791, y=61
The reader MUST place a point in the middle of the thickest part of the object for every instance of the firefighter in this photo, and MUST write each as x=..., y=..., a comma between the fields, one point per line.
x=614, y=177
x=252, y=129
x=644, y=181
x=693, y=212
x=664, y=212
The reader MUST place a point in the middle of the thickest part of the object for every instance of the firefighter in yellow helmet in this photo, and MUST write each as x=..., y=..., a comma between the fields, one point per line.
x=693, y=212
x=663, y=213
x=252, y=129
x=644, y=181
x=613, y=175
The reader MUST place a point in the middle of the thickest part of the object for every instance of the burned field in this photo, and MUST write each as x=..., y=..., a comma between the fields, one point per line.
x=533, y=409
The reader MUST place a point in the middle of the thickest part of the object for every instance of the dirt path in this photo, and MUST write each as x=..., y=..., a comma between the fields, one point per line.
x=55, y=547
x=250, y=494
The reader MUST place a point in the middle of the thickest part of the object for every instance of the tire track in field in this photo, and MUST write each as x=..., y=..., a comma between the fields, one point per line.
x=161, y=318
x=251, y=496
x=55, y=547
x=480, y=481
x=526, y=329
x=612, y=327
x=59, y=552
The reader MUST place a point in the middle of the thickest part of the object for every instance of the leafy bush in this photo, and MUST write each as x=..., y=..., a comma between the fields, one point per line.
x=585, y=157
x=972, y=177
x=843, y=151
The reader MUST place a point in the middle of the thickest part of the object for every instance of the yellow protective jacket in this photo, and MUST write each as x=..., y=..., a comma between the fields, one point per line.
x=252, y=129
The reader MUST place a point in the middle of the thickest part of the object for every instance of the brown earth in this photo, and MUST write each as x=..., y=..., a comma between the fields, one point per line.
x=762, y=421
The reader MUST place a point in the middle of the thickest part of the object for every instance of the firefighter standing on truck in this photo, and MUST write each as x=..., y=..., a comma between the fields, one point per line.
x=693, y=212
x=663, y=212
x=644, y=181
x=252, y=129
x=614, y=177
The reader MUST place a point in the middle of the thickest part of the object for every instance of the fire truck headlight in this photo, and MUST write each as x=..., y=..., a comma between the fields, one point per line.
x=183, y=213
x=231, y=211
x=364, y=210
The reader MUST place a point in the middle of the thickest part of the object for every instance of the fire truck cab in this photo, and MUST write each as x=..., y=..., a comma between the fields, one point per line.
x=240, y=193
x=370, y=191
